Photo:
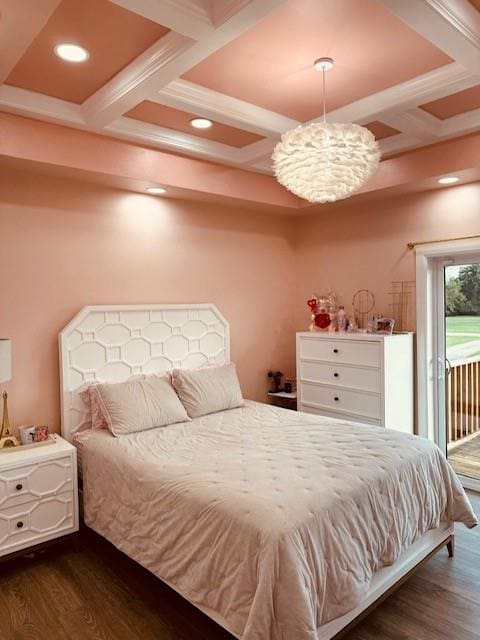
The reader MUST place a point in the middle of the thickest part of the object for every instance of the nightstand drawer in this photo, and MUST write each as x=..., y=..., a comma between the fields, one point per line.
x=31, y=482
x=29, y=524
x=341, y=400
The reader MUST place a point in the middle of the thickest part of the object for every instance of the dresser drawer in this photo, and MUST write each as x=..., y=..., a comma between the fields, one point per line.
x=349, y=351
x=340, y=416
x=341, y=375
x=28, y=524
x=341, y=400
x=27, y=483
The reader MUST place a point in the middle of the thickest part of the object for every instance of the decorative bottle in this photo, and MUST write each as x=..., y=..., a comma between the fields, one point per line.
x=342, y=319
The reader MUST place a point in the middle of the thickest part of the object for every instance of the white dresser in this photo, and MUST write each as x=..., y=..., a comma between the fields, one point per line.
x=38, y=495
x=359, y=377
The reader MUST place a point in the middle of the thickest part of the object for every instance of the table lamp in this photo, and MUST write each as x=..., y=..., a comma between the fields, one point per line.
x=6, y=439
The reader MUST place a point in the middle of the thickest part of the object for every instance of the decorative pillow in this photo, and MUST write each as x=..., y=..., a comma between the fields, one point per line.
x=91, y=400
x=208, y=390
x=139, y=404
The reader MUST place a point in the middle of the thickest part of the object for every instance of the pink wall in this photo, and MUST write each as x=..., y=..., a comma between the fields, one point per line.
x=65, y=244
x=351, y=246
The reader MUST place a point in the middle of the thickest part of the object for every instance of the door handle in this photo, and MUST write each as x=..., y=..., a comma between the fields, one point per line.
x=448, y=368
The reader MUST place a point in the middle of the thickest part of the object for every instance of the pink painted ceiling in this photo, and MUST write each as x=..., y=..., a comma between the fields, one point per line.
x=163, y=116
x=271, y=64
x=454, y=104
x=381, y=130
x=113, y=36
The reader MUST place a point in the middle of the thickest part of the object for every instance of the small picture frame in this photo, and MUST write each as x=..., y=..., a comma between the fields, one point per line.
x=383, y=326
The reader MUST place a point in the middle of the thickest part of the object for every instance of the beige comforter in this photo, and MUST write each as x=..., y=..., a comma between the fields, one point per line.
x=274, y=520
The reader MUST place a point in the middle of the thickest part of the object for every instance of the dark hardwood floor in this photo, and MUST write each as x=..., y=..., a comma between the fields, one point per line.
x=98, y=593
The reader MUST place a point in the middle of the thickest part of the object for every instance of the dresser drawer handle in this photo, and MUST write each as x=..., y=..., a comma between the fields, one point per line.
x=19, y=487
x=336, y=398
x=335, y=351
x=19, y=524
x=335, y=375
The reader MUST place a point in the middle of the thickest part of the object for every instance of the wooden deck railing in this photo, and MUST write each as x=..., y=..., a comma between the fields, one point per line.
x=463, y=401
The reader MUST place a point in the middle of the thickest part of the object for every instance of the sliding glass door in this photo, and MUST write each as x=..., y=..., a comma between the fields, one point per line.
x=458, y=334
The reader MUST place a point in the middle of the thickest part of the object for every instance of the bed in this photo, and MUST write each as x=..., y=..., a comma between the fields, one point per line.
x=278, y=525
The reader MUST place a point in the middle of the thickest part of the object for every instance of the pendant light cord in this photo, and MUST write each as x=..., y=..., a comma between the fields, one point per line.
x=323, y=79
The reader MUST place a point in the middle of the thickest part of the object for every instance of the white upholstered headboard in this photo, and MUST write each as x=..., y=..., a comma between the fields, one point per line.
x=112, y=343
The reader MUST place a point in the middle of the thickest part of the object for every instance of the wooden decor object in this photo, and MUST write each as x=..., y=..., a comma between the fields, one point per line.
x=402, y=293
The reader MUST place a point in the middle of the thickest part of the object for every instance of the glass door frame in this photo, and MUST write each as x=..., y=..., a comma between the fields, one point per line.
x=431, y=260
x=440, y=354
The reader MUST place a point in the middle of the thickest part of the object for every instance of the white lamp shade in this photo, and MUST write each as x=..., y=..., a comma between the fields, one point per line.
x=5, y=359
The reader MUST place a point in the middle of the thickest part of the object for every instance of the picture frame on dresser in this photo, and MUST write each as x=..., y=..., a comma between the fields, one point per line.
x=38, y=497
x=360, y=377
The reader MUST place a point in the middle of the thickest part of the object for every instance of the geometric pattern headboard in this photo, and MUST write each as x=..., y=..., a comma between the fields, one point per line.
x=110, y=343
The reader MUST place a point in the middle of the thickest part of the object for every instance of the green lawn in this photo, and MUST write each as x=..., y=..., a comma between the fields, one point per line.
x=459, y=325
x=454, y=340
x=463, y=324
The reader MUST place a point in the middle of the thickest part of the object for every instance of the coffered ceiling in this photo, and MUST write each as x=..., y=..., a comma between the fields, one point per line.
x=407, y=69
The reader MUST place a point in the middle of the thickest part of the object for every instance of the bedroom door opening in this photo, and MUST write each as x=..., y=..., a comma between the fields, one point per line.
x=460, y=350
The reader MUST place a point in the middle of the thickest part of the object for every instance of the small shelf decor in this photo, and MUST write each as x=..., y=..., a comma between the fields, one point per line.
x=52, y=439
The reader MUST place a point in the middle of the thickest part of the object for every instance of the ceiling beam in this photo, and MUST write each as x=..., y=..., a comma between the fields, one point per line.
x=451, y=25
x=222, y=10
x=424, y=88
x=258, y=151
x=152, y=70
x=220, y=107
x=461, y=124
x=187, y=17
x=406, y=95
x=36, y=105
x=135, y=82
x=398, y=143
x=19, y=24
x=415, y=122
x=178, y=141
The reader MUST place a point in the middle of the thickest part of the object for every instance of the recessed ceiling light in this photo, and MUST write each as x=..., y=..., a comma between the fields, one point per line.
x=201, y=123
x=71, y=52
x=156, y=191
x=448, y=180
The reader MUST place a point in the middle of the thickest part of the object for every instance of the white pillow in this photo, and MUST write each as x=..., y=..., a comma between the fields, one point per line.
x=140, y=404
x=208, y=390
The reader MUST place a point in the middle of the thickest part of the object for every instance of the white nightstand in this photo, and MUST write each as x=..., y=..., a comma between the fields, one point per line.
x=38, y=495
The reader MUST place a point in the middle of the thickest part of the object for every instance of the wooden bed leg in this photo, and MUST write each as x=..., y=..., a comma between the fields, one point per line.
x=451, y=546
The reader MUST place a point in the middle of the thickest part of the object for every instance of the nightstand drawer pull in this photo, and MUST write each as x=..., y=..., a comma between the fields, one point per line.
x=336, y=398
x=335, y=375
x=19, y=524
x=19, y=487
x=335, y=351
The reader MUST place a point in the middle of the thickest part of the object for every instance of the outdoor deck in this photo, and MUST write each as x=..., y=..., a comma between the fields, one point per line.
x=463, y=417
x=465, y=458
